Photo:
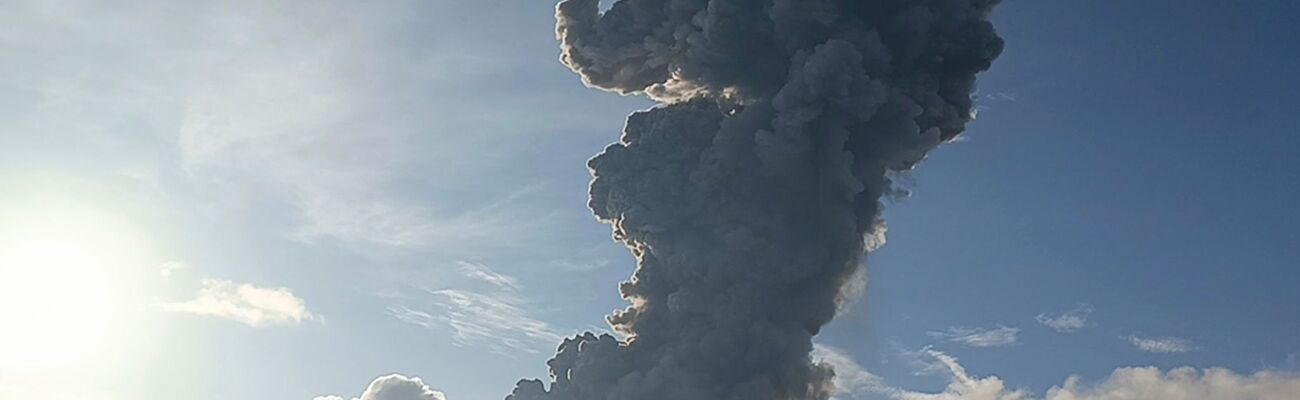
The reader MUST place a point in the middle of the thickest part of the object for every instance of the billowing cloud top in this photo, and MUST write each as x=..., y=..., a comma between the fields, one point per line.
x=747, y=196
x=395, y=387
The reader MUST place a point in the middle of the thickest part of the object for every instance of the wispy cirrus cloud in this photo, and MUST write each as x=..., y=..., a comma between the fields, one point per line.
x=496, y=317
x=244, y=303
x=482, y=273
x=321, y=115
x=1066, y=322
x=999, y=336
x=852, y=381
x=1162, y=345
x=479, y=318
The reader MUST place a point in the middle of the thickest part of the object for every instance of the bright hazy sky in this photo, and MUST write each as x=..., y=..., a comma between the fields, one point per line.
x=261, y=200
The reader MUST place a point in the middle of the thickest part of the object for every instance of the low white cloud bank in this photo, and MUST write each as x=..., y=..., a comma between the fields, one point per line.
x=246, y=304
x=1183, y=384
x=1131, y=383
x=1001, y=336
x=395, y=387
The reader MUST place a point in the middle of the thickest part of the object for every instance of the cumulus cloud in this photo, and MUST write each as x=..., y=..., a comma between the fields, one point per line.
x=246, y=304
x=1066, y=322
x=395, y=387
x=1162, y=345
x=1129, y=383
x=1000, y=336
x=1182, y=384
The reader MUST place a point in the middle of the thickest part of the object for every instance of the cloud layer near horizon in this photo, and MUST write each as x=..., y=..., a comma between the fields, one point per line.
x=1127, y=383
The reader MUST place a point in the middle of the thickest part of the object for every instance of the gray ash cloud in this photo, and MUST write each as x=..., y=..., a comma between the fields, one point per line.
x=749, y=195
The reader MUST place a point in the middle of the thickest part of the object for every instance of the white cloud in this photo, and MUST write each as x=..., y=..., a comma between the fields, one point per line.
x=483, y=273
x=1000, y=336
x=1131, y=383
x=321, y=111
x=1068, y=321
x=1182, y=384
x=282, y=119
x=580, y=264
x=246, y=304
x=353, y=132
x=414, y=317
x=853, y=382
x=850, y=378
x=395, y=387
x=496, y=318
x=1162, y=345
x=166, y=269
x=961, y=385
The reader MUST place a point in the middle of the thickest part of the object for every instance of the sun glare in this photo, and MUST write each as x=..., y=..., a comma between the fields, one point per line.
x=64, y=286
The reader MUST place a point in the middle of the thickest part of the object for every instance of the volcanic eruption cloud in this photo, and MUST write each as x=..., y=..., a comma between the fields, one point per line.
x=751, y=193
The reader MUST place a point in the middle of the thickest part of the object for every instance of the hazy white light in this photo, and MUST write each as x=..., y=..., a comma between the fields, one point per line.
x=65, y=285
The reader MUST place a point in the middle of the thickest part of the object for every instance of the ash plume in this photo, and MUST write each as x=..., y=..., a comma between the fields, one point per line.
x=749, y=195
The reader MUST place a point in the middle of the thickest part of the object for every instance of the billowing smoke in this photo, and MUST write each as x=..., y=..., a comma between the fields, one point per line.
x=749, y=196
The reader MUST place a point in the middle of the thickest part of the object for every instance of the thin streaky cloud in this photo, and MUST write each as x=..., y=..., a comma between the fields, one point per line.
x=999, y=336
x=1162, y=345
x=498, y=319
x=482, y=273
x=413, y=317
x=478, y=318
x=853, y=382
x=1066, y=322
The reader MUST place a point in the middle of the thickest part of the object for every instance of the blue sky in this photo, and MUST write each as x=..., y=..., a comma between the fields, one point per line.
x=339, y=191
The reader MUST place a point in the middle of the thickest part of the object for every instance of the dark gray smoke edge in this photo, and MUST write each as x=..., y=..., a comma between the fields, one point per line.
x=746, y=196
